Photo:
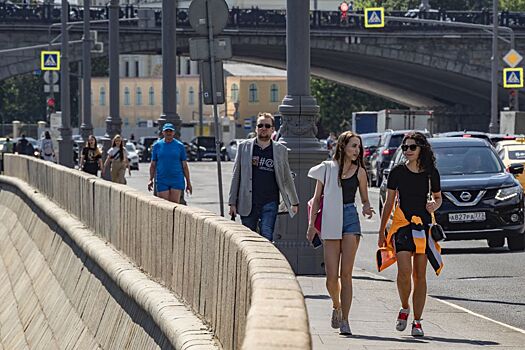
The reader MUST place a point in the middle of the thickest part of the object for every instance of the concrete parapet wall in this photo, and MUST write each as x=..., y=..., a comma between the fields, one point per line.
x=68, y=289
x=238, y=282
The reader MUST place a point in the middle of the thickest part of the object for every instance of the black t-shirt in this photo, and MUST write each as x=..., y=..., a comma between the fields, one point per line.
x=264, y=185
x=91, y=157
x=350, y=188
x=413, y=190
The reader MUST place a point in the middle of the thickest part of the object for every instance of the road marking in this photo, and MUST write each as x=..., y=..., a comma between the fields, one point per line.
x=516, y=329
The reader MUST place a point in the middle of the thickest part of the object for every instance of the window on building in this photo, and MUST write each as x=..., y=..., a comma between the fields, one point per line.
x=102, y=96
x=138, y=97
x=137, y=69
x=253, y=95
x=274, y=93
x=127, y=98
x=188, y=66
x=151, y=96
x=126, y=71
x=234, y=92
x=191, y=96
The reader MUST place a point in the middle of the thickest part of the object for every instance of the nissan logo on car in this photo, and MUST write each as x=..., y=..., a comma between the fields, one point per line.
x=465, y=196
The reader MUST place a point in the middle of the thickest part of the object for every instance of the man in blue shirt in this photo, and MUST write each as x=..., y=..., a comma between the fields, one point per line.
x=169, y=167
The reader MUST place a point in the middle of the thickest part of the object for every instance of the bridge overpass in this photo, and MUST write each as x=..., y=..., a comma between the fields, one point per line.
x=418, y=66
x=88, y=264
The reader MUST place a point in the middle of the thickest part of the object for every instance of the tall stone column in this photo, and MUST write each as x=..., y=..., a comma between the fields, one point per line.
x=299, y=112
x=65, y=142
x=86, y=128
x=169, y=66
x=113, y=121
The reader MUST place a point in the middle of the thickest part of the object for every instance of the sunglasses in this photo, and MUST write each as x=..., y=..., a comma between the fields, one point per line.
x=411, y=147
x=267, y=126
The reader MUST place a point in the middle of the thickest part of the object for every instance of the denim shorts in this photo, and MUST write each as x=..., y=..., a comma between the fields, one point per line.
x=351, y=223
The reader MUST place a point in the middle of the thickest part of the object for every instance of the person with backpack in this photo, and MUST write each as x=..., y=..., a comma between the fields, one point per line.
x=118, y=158
x=24, y=147
x=46, y=147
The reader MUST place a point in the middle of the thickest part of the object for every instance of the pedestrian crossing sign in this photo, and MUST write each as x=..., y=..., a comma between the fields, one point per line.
x=374, y=17
x=512, y=78
x=50, y=60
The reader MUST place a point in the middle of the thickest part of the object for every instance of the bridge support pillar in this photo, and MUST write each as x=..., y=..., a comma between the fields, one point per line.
x=86, y=128
x=299, y=112
x=65, y=142
x=169, y=66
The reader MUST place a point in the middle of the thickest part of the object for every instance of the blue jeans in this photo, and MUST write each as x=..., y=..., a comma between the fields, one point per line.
x=263, y=216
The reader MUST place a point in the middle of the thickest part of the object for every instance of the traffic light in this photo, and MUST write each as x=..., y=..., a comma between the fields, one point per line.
x=512, y=99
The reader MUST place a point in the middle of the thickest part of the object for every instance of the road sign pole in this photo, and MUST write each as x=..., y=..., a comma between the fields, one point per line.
x=65, y=143
x=86, y=128
x=493, y=126
x=214, y=99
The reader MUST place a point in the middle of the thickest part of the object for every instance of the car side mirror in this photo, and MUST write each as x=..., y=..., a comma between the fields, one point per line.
x=516, y=169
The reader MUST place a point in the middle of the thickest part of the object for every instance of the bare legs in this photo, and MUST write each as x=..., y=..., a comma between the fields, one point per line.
x=406, y=272
x=170, y=195
x=336, y=252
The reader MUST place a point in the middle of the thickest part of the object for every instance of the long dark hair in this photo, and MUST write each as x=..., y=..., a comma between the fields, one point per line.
x=426, y=160
x=97, y=151
x=340, y=154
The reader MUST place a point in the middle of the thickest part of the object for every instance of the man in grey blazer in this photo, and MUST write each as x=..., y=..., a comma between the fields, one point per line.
x=260, y=175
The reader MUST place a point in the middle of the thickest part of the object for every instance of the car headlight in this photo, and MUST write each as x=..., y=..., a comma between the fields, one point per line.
x=508, y=193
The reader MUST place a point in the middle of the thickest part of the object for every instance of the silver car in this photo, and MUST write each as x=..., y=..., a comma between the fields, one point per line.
x=133, y=156
x=231, y=148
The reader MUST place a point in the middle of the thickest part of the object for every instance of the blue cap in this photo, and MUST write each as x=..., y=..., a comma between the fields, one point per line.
x=168, y=126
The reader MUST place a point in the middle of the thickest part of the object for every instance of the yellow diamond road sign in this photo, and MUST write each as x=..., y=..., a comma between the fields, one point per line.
x=50, y=60
x=374, y=17
x=512, y=58
x=513, y=78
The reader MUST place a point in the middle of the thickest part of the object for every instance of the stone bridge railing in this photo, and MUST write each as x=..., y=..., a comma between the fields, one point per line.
x=238, y=283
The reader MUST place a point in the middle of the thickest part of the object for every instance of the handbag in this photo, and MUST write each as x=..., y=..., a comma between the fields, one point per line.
x=436, y=230
x=319, y=217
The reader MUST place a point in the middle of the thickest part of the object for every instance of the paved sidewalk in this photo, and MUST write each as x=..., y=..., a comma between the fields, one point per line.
x=372, y=320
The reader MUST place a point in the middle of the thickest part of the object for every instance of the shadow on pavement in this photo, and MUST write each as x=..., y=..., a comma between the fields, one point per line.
x=463, y=341
x=389, y=339
x=477, y=300
x=423, y=340
x=316, y=296
x=370, y=278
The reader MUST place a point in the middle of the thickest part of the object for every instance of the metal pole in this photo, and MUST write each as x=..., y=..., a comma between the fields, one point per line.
x=65, y=144
x=201, y=117
x=169, y=66
x=113, y=121
x=493, y=126
x=86, y=128
x=215, y=110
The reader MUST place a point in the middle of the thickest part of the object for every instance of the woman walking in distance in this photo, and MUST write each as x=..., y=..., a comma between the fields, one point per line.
x=91, y=158
x=118, y=158
x=409, y=231
x=338, y=181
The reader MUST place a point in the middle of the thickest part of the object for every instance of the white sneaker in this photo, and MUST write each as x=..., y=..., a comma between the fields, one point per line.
x=402, y=319
x=337, y=316
x=345, y=328
x=417, y=330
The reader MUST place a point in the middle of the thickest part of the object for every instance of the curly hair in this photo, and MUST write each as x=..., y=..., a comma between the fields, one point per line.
x=339, y=156
x=426, y=160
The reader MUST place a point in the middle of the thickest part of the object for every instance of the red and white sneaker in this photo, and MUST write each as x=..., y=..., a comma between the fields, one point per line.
x=402, y=319
x=417, y=330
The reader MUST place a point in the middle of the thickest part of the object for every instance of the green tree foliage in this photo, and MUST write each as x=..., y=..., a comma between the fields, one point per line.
x=337, y=102
x=23, y=98
x=512, y=5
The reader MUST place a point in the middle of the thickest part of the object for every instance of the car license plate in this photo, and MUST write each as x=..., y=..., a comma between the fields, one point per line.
x=466, y=217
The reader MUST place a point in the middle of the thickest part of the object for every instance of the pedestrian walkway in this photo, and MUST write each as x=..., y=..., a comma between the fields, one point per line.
x=372, y=320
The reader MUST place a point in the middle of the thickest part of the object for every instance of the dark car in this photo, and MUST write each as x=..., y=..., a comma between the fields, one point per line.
x=466, y=134
x=205, y=147
x=481, y=200
x=380, y=160
x=370, y=145
x=144, y=147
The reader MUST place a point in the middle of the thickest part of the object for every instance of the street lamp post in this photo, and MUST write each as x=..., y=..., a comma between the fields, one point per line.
x=86, y=128
x=113, y=121
x=299, y=112
x=169, y=66
x=65, y=142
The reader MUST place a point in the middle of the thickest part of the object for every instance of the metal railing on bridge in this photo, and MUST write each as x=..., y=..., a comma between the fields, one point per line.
x=257, y=18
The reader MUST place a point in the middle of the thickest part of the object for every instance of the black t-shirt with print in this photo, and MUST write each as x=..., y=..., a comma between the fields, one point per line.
x=264, y=185
x=413, y=190
x=91, y=157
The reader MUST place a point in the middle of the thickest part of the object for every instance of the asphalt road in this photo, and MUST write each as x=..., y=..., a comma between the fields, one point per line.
x=487, y=281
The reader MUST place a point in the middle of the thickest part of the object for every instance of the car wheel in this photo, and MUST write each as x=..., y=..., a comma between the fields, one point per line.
x=516, y=243
x=496, y=242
